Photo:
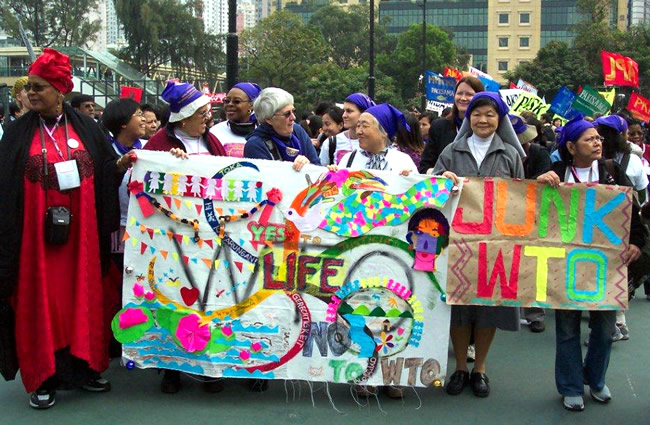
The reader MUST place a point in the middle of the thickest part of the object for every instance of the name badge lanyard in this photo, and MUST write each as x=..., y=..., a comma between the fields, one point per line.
x=58, y=150
x=575, y=174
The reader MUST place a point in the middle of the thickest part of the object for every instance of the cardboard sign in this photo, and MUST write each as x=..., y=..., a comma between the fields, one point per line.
x=529, y=102
x=524, y=244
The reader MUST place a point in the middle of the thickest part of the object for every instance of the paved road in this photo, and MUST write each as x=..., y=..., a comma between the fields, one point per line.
x=520, y=367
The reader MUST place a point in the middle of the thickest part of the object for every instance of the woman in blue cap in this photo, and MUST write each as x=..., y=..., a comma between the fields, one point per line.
x=580, y=147
x=376, y=129
x=346, y=141
x=240, y=120
x=486, y=146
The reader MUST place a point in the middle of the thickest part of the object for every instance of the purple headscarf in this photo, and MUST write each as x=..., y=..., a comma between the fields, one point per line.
x=363, y=101
x=616, y=122
x=573, y=129
x=389, y=117
x=502, y=108
x=252, y=90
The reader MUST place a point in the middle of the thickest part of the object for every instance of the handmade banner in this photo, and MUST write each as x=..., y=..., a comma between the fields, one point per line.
x=608, y=95
x=639, y=106
x=490, y=84
x=619, y=70
x=590, y=102
x=526, y=86
x=562, y=103
x=440, y=89
x=529, y=102
x=329, y=276
x=510, y=96
x=563, y=249
x=438, y=107
x=452, y=72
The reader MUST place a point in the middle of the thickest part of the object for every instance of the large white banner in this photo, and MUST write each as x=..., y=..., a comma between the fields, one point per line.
x=247, y=268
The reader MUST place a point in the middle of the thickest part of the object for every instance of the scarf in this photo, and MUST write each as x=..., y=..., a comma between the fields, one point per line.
x=242, y=129
x=124, y=149
x=288, y=151
x=376, y=161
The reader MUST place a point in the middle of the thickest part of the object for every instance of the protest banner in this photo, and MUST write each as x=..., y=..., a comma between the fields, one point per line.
x=589, y=102
x=563, y=249
x=529, y=102
x=561, y=103
x=510, y=96
x=478, y=73
x=439, y=89
x=452, y=72
x=134, y=93
x=619, y=70
x=608, y=95
x=438, y=107
x=639, y=106
x=490, y=84
x=311, y=275
x=525, y=86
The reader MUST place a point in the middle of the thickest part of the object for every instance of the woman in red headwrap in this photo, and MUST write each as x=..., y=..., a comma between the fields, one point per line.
x=58, y=191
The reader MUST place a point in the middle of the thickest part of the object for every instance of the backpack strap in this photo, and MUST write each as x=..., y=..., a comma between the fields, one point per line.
x=332, y=147
x=351, y=159
x=273, y=149
x=625, y=161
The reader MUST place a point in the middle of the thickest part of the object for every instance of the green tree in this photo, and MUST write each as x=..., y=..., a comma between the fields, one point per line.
x=52, y=22
x=636, y=45
x=347, y=33
x=162, y=32
x=281, y=51
x=404, y=62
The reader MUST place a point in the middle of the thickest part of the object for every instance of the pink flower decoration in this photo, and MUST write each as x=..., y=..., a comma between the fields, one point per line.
x=149, y=296
x=256, y=347
x=274, y=195
x=138, y=290
x=131, y=317
x=245, y=355
x=192, y=335
x=226, y=330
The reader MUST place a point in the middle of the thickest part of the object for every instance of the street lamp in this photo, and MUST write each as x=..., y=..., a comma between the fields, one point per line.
x=371, y=52
x=231, y=45
x=423, y=104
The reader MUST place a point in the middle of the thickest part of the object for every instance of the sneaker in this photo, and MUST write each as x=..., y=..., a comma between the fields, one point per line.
x=97, y=385
x=42, y=399
x=618, y=335
x=602, y=396
x=471, y=353
x=537, y=326
x=574, y=404
x=625, y=332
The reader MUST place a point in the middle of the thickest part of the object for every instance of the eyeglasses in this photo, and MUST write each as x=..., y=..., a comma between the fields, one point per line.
x=36, y=87
x=235, y=102
x=594, y=139
x=203, y=114
x=139, y=114
x=286, y=114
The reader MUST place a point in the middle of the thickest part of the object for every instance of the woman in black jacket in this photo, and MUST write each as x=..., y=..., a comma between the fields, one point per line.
x=581, y=148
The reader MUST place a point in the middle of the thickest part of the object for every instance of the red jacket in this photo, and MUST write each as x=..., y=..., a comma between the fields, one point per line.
x=165, y=139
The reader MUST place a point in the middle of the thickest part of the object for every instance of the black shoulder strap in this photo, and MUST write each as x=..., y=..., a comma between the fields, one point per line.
x=625, y=161
x=273, y=149
x=351, y=159
x=611, y=168
x=332, y=146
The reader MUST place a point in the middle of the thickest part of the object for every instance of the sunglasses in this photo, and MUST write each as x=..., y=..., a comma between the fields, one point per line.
x=227, y=101
x=36, y=87
x=287, y=114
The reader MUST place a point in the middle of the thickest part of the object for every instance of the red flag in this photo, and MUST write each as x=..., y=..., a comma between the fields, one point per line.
x=513, y=85
x=619, y=70
x=134, y=93
x=452, y=72
x=639, y=106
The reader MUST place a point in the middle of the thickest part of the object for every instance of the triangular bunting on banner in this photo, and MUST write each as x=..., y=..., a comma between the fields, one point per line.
x=200, y=243
x=269, y=244
x=178, y=203
x=219, y=211
x=216, y=264
x=195, y=260
x=186, y=239
x=164, y=253
x=186, y=259
x=143, y=247
x=132, y=221
x=126, y=237
x=175, y=256
x=199, y=208
x=168, y=201
x=239, y=265
x=170, y=235
x=226, y=264
x=189, y=205
x=179, y=238
x=251, y=267
x=207, y=261
x=150, y=231
x=143, y=228
x=134, y=241
x=209, y=243
x=152, y=249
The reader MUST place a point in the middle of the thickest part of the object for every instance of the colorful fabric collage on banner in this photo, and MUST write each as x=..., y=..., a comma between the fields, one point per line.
x=317, y=276
x=563, y=249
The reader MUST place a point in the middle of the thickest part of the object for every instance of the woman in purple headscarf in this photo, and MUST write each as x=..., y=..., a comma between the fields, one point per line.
x=581, y=149
x=347, y=141
x=240, y=120
x=486, y=146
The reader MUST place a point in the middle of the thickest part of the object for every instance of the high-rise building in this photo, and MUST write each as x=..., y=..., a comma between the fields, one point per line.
x=639, y=12
x=111, y=33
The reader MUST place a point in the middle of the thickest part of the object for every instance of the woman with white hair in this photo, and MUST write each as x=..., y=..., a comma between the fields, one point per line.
x=278, y=137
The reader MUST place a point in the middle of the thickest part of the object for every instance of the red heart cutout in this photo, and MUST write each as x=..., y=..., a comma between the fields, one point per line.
x=189, y=295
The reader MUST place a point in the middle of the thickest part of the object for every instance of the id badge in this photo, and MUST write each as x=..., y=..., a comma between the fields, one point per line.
x=67, y=174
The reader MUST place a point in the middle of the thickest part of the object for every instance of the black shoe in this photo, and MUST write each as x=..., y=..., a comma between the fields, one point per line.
x=258, y=385
x=42, y=399
x=457, y=382
x=537, y=326
x=97, y=385
x=213, y=386
x=480, y=384
x=171, y=382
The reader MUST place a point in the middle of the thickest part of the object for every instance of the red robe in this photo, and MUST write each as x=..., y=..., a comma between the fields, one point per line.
x=58, y=301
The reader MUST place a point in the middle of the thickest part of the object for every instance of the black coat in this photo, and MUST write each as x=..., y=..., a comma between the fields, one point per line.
x=537, y=162
x=14, y=152
x=637, y=230
x=441, y=133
